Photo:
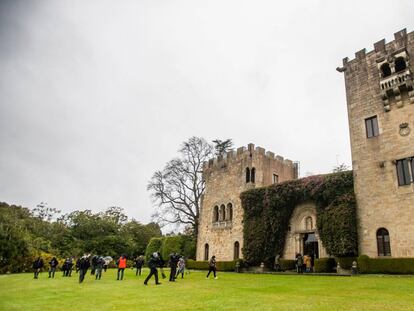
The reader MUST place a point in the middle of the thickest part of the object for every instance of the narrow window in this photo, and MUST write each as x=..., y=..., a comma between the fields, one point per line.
x=371, y=126
x=206, y=247
x=400, y=64
x=236, y=250
x=222, y=213
x=403, y=172
x=383, y=242
x=308, y=223
x=275, y=178
x=216, y=214
x=385, y=70
x=253, y=175
x=229, y=212
x=247, y=175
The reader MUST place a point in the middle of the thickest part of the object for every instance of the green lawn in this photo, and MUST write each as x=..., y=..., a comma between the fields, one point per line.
x=230, y=292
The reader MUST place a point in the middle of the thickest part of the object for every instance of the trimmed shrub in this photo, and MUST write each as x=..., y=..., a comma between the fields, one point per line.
x=287, y=264
x=203, y=265
x=171, y=244
x=346, y=262
x=267, y=212
x=324, y=265
x=385, y=265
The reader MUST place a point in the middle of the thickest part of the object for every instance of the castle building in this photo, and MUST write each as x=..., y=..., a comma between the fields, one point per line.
x=221, y=216
x=380, y=100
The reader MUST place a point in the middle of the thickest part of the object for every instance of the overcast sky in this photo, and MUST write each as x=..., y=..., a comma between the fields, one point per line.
x=97, y=95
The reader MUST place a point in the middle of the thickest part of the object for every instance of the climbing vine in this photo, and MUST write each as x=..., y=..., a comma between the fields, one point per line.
x=267, y=213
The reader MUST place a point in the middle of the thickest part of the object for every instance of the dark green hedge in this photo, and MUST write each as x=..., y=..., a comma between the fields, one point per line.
x=385, y=265
x=324, y=265
x=182, y=244
x=267, y=212
x=287, y=264
x=154, y=245
x=203, y=265
x=346, y=262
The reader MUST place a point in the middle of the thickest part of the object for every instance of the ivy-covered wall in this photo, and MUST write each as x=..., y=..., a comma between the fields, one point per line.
x=267, y=213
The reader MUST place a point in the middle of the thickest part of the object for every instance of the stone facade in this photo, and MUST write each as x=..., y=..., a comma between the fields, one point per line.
x=221, y=215
x=378, y=85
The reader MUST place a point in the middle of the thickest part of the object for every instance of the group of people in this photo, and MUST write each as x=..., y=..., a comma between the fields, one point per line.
x=99, y=263
x=304, y=263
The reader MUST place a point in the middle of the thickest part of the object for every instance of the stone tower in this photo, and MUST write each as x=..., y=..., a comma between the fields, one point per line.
x=380, y=100
x=221, y=217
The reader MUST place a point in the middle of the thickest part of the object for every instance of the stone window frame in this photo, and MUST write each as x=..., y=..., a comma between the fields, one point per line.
x=223, y=213
x=371, y=127
x=405, y=171
x=383, y=242
x=236, y=250
x=206, y=251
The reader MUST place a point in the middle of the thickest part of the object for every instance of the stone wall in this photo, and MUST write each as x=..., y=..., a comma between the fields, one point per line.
x=381, y=202
x=225, y=180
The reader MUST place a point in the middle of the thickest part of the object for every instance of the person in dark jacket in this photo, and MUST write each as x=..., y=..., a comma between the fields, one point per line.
x=299, y=263
x=212, y=267
x=100, y=262
x=53, y=265
x=37, y=266
x=173, y=265
x=139, y=262
x=84, y=265
x=153, y=263
x=93, y=264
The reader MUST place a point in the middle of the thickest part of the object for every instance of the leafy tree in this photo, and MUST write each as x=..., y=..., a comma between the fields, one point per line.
x=222, y=146
x=177, y=189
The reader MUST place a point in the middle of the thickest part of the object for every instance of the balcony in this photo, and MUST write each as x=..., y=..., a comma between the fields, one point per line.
x=394, y=87
x=227, y=224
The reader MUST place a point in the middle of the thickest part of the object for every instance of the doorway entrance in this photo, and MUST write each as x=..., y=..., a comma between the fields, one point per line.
x=310, y=245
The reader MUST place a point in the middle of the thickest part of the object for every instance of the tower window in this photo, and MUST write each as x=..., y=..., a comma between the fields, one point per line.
x=247, y=175
x=253, y=175
x=229, y=212
x=216, y=214
x=371, y=126
x=236, y=250
x=206, y=249
x=385, y=70
x=383, y=242
x=275, y=178
x=403, y=171
x=222, y=213
x=400, y=64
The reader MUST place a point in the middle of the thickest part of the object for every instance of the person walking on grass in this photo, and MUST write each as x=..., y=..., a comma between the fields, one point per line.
x=173, y=265
x=100, y=262
x=84, y=265
x=37, y=266
x=212, y=267
x=53, y=265
x=139, y=262
x=153, y=263
x=122, y=264
x=181, y=267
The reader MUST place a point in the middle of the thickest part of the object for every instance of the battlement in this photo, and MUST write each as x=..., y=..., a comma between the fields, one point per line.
x=243, y=153
x=381, y=48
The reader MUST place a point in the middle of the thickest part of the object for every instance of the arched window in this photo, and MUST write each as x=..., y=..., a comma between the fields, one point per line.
x=247, y=175
x=236, y=250
x=216, y=214
x=308, y=223
x=400, y=64
x=253, y=175
x=385, y=70
x=222, y=213
x=206, y=247
x=229, y=212
x=383, y=242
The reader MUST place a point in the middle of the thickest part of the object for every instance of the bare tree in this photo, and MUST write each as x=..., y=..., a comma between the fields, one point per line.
x=44, y=212
x=177, y=189
x=222, y=146
x=340, y=168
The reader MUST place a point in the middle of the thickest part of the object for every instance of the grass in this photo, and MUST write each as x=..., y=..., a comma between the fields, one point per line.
x=230, y=292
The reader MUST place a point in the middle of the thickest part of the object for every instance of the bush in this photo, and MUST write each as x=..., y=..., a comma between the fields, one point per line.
x=171, y=244
x=346, y=262
x=203, y=265
x=324, y=265
x=287, y=264
x=385, y=265
x=154, y=245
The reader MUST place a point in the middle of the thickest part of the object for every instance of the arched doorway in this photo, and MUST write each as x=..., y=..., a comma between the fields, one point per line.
x=310, y=245
x=236, y=250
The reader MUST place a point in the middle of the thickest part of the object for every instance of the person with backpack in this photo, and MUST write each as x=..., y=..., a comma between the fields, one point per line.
x=37, y=266
x=153, y=263
x=53, y=265
x=212, y=267
x=122, y=264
